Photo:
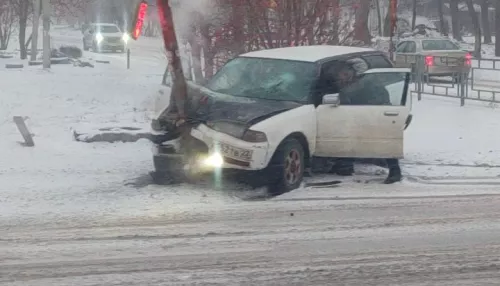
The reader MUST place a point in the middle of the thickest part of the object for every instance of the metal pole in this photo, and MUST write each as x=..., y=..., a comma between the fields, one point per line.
x=36, y=21
x=46, y=33
x=128, y=59
x=179, y=85
x=394, y=10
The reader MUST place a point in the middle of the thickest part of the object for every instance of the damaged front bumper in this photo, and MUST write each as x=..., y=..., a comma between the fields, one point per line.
x=218, y=150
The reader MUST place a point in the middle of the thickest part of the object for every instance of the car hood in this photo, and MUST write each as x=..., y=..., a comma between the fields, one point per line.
x=207, y=106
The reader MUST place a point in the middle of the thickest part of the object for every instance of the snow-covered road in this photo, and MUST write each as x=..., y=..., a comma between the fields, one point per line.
x=372, y=237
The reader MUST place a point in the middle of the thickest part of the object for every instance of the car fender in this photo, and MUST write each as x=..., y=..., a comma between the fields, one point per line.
x=297, y=120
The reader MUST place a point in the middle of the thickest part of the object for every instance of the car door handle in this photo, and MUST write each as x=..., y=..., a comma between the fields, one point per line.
x=391, y=113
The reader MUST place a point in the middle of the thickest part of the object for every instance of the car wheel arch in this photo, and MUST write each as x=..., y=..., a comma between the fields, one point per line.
x=301, y=138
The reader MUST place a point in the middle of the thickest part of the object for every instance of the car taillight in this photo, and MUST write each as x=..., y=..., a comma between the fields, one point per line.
x=429, y=61
x=468, y=59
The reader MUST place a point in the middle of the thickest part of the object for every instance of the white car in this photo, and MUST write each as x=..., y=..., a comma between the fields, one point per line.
x=101, y=36
x=273, y=111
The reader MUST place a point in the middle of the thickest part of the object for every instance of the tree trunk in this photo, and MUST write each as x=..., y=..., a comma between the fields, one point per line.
x=455, y=22
x=497, y=28
x=387, y=24
x=379, y=18
x=361, y=31
x=196, y=55
x=414, y=16
x=3, y=39
x=178, y=97
x=485, y=5
x=238, y=28
x=443, y=23
x=23, y=19
x=477, y=28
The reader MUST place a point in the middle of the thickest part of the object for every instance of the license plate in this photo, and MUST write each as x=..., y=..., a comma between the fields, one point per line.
x=448, y=61
x=234, y=152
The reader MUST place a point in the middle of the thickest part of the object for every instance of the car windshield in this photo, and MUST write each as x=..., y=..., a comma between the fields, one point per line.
x=108, y=29
x=439, y=45
x=265, y=78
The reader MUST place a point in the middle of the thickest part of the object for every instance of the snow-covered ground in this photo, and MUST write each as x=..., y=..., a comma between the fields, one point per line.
x=61, y=192
x=444, y=140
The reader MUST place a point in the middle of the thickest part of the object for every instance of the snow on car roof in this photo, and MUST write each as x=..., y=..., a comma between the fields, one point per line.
x=305, y=53
x=105, y=24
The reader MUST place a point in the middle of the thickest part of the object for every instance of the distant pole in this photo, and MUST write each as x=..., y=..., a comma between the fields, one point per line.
x=37, y=5
x=46, y=33
x=128, y=59
x=393, y=10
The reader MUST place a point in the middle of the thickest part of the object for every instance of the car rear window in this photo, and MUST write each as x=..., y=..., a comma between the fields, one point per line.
x=439, y=45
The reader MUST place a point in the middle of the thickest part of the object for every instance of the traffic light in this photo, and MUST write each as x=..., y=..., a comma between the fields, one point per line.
x=138, y=20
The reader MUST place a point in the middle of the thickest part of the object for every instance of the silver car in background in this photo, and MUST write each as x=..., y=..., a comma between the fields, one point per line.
x=442, y=57
x=102, y=36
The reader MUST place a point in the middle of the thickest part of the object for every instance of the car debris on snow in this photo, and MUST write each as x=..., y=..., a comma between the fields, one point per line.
x=23, y=129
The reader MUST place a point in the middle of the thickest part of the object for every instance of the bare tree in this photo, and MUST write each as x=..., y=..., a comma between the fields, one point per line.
x=444, y=24
x=455, y=22
x=497, y=28
x=7, y=20
x=485, y=21
x=361, y=31
x=379, y=17
x=414, y=16
x=477, y=28
x=22, y=11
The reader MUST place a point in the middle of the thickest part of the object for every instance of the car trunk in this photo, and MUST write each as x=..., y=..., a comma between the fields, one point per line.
x=447, y=58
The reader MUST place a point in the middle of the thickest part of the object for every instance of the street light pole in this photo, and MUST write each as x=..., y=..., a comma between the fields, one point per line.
x=46, y=8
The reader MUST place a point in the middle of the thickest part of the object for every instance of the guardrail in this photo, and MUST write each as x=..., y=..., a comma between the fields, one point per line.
x=464, y=79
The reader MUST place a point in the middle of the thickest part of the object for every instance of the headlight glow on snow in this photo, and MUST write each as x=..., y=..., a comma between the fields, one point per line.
x=215, y=160
x=125, y=38
x=99, y=38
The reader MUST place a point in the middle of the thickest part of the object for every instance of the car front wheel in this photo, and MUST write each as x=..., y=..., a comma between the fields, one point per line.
x=288, y=167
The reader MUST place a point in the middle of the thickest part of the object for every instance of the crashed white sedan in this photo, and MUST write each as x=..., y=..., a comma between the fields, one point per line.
x=272, y=112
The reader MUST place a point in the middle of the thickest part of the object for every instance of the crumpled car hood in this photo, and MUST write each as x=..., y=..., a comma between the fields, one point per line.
x=208, y=106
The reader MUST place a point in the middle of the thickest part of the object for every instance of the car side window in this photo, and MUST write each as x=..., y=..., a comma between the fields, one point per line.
x=378, y=62
x=411, y=47
x=401, y=47
x=332, y=78
x=326, y=83
x=380, y=88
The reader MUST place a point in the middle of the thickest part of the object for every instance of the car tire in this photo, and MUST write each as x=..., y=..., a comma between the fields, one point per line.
x=287, y=167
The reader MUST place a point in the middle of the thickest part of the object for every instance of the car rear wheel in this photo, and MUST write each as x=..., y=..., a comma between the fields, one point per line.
x=288, y=167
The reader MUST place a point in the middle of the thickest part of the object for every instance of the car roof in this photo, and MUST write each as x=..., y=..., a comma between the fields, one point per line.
x=306, y=53
x=425, y=39
x=105, y=24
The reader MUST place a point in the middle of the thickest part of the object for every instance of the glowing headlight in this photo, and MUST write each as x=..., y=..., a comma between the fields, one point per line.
x=99, y=38
x=125, y=38
x=215, y=160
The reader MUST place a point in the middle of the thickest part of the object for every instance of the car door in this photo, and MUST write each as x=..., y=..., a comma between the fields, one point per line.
x=366, y=131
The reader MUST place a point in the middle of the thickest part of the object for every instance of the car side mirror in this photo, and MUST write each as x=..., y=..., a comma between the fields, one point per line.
x=331, y=99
